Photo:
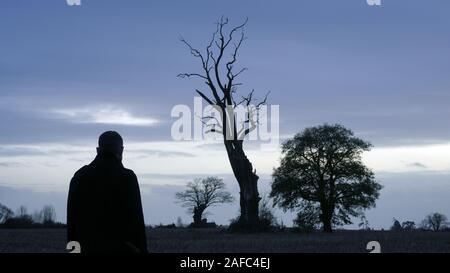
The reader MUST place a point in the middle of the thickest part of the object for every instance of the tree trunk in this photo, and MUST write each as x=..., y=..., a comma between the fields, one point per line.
x=327, y=218
x=249, y=199
x=248, y=184
x=198, y=212
x=327, y=225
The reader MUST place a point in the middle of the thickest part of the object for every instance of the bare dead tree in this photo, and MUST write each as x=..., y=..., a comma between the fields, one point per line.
x=220, y=76
x=201, y=194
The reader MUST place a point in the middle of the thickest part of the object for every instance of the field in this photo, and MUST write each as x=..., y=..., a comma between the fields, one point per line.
x=216, y=240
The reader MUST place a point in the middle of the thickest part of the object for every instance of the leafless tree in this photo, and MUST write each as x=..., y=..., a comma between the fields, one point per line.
x=435, y=221
x=48, y=214
x=5, y=213
x=37, y=216
x=22, y=211
x=218, y=72
x=201, y=194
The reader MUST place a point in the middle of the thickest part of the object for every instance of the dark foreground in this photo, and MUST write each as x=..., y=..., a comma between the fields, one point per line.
x=213, y=240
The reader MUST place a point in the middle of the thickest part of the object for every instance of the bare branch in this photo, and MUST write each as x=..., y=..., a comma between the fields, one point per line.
x=211, y=118
x=221, y=46
x=252, y=110
x=188, y=75
x=230, y=64
x=230, y=38
x=194, y=52
x=240, y=72
x=263, y=101
x=205, y=97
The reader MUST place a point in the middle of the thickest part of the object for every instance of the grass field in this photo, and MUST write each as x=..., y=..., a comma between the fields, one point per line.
x=216, y=240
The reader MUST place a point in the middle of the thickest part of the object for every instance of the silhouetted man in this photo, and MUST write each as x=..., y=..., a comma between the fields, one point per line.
x=104, y=211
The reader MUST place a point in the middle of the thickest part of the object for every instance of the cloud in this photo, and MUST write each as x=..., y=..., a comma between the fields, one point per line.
x=417, y=165
x=39, y=150
x=184, y=177
x=409, y=158
x=103, y=114
x=19, y=151
x=11, y=164
x=163, y=153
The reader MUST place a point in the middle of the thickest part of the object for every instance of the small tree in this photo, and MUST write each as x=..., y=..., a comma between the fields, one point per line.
x=21, y=220
x=22, y=212
x=435, y=221
x=396, y=226
x=201, y=194
x=179, y=222
x=408, y=225
x=266, y=214
x=37, y=217
x=322, y=168
x=48, y=215
x=364, y=224
x=5, y=213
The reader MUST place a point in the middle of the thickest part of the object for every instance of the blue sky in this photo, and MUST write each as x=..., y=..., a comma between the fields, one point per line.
x=69, y=73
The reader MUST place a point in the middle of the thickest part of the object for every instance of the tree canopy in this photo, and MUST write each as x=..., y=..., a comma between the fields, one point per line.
x=322, y=172
x=203, y=193
x=435, y=221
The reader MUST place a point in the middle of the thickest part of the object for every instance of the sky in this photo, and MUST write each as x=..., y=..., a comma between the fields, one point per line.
x=68, y=73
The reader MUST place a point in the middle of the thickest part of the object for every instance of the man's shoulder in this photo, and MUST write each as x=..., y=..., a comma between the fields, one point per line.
x=129, y=173
x=81, y=172
x=78, y=177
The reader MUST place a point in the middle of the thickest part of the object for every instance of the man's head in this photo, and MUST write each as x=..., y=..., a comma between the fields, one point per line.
x=110, y=142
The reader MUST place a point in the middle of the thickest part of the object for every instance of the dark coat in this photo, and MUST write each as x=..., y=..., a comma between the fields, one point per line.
x=104, y=210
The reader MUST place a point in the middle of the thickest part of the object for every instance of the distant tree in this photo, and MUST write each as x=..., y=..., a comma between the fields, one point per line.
x=37, y=217
x=201, y=194
x=5, y=213
x=364, y=224
x=21, y=220
x=396, y=226
x=179, y=222
x=48, y=214
x=322, y=166
x=266, y=213
x=408, y=225
x=22, y=211
x=282, y=225
x=435, y=221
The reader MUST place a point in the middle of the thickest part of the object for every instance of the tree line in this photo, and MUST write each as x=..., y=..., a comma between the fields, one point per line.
x=46, y=217
x=434, y=221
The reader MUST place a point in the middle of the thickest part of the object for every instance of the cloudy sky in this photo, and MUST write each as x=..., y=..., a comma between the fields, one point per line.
x=69, y=73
